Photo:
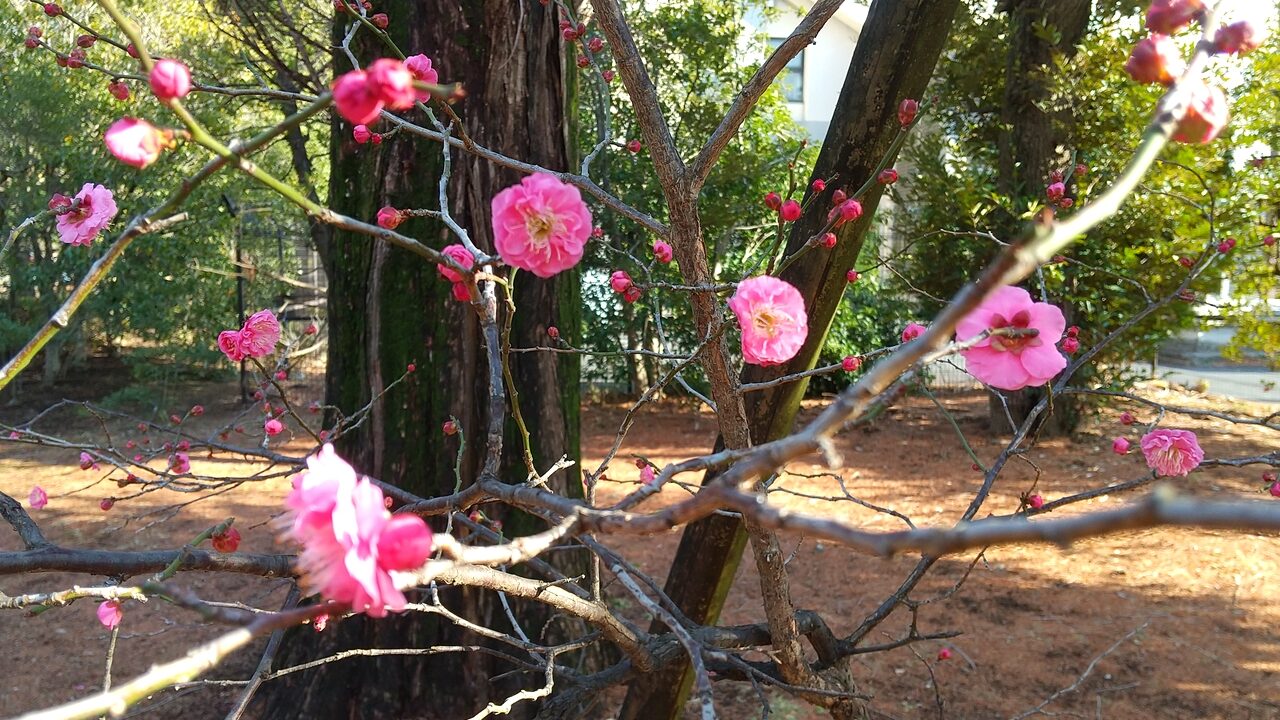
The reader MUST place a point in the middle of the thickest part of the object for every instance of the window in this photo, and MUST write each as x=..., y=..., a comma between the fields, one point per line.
x=792, y=77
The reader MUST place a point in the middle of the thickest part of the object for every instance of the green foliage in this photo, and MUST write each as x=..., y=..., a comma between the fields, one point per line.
x=1196, y=197
x=172, y=292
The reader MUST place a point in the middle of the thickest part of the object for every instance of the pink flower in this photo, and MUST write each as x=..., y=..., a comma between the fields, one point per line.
x=86, y=462
x=907, y=110
x=1241, y=37
x=662, y=251
x=260, y=334
x=390, y=218
x=180, y=463
x=170, y=79
x=272, y=427
x=350, y=543
x=790, y=211
x=460, y=292
x=1036, y=501
x=1011, y=363
x=82, y=224
x=619, y=281
x=136, y=142
x=647, y=475
x=1120, y=446
x=356, y=98
x=118, y=90
x=361, y=134
x=772, y=317
x=1206, y=115
x=1170, y=16
x=1055, y=191
x=850, y=363
x=110, y=614
x=888, y=176
x=912, y=331
x=459, y=254
x=1126, y=418
x=540, y=225
x=229, y=344
x=393, y=83
x=773, y=201
x=1172, y=452
x=38, y=498
x=420, y=66
x=1155, y=59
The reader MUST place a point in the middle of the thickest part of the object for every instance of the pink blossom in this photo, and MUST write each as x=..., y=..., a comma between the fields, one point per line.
x=460, y=292
x=1241, y=37
x=850, y=363
x=912, y=331
x=180, y=463
x=390, y=218
x=86, y=462
x=420, y=66
x=1170, y=16
x=170, y=79
x=1172, y=452
x=647, y=475
x=1011, y=363
x=136, y=142
x=888, y=176
x=907, y=110
x=350, y=543
x=110, y=614
x=1055, y=191
x=272, y=427
x=459, y=254
x=662, y=251
x=540, y=225
x=356, y=98
x=619, y=281
x=229, y=344
x=1120, y=446
x=790, y=211
x=1036, y=501
x=82, y=224
x=361, y=134
x=393, y=83
x=260, y=334
x=1155, y=59
x=1207, y=114
x=38, y=498
x=773, y=201
x=772, y=317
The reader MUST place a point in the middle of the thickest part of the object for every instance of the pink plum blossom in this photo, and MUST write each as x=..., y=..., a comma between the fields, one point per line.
x=1241, y=37
x=350, y=543
x=272, y=427
x=361, y=134
x=1207, y=114
x=1172, y=452
x=772, y=317
x=1120, y=446
x=110, y=614
x=912, y=331
x=540, y=225
x=1155, y=59
x=459, y=254
x=180, y=463
x=1012, y=363
x=1170, y=16
x=136, y=142
x=170, y=79
x=38, y=498
x=83, y=223
x=393, y=83
x=620, y=281
x=420, y=66
x=662, y=251
x=356, y=98
x=257, y=338
x=648, y=475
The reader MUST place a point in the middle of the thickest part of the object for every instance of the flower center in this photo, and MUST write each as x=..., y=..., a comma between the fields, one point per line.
x=1021, y=320
x=767, y=321
x=540, y=225
x=82, y=213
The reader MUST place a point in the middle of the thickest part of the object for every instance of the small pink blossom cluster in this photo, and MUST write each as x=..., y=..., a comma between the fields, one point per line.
x=1172, y=453
x=256, y=339
x=350, y=543
x=462, y=256
x=771, y=314
x=1015, y=361
x=541, y=225
x=81, y=219
x=788, y=211
x=1056, y=190
x=621, y=283
x=360, y=95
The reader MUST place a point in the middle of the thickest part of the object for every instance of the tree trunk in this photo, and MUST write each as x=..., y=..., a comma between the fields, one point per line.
x=900, y=45
x=388, y=308
x=1031, y=147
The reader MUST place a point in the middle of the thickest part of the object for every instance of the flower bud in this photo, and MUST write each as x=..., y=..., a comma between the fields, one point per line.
x=634, y=146
x=773, y=201
x=1206, y=115
x=907, y=111
x=361, y=134
x=170, y=79
x=1155, y=59
x=790, y=211
x=1170, y=16
x=390, y=218
x=380, y=21
x=888, y=176
x=1241, y=37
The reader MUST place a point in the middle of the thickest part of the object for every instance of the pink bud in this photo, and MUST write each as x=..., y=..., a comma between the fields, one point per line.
x=888, y=176
x=584, y=62
x=1206, y=115
x=632, y=294
x=850, y=363
x=132, y=50
x=773, y=201
x=118, y=90
x=662, y=251
x=1055, y=191
x=607, y=75
x=75, y=59
x=86, y=461
x=620, y=281
x=912, y=331
x=1036, y=501
x=1056, y=176
x=59, y=203
x=790, y=211
x=197, y=410
x=311, y=329
x=553, y=332
x=647, y=475
x=32, y=42
x=106, y=504
x=380, y=21
x=819, y=185
x=411, y=367
x=852, y=276
x=1227, y=245
x=596, y=44
x=180, y=463
x=1155, y=59
x=282, y=375
x=376, y=139
x=1082, y=169
x=170, y=79
x=850, y=210
x=1120, y=446
x=1186, y=262
x=450, y=427
x=597, y=232
x=52, y=9
x=227, y=542
x=1066, y=203
x=1274, y=489
x=273, y=427
x=944, y=654
x=86, y=41
x=907, y=110
x=828, y=240
x=184, y=445
x=1070, y=345
x=1073, y=331
x=460, y=292
x=37, y=498
x=361, y=134
x=110, y=614
x=136, y=142
x=1126, y=418
x=1269, y=240
x=634, y=146
x=838, y=196
x=1170, y=16
x=390, y=218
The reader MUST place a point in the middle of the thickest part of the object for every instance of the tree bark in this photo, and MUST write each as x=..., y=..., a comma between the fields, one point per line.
x=1032, y=145
x=899, y=46
x=387, y=309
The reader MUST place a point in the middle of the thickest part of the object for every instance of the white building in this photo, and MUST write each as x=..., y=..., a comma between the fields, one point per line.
x=811, y=82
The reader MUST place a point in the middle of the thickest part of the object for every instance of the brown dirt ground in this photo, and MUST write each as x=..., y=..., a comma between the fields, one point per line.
x=1032, y=618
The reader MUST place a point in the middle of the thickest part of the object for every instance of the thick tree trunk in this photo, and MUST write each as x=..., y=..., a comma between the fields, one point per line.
x=1033, y=144
x=388, y=308
x=900, y=45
